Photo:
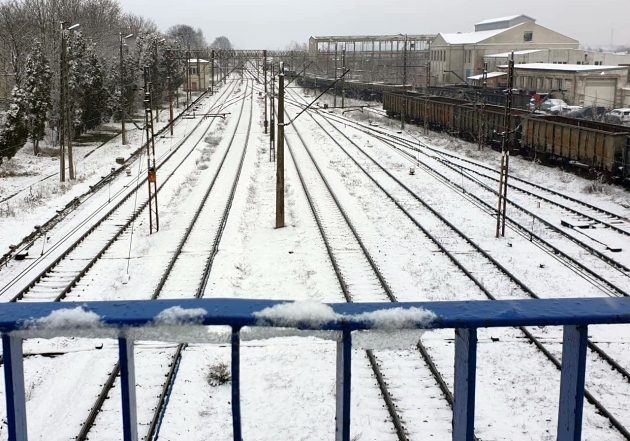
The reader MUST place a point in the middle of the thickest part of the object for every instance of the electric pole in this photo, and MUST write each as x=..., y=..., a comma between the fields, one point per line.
x=62, y=105
x=505, y=154
x=343, y=80
x=280, y=154
x=484, y=83
x=122, y=87
x=266, y=122
x=272, y=125
x=212, y=72
x=188, y=91
x=404, y=78
x=154, y=220
x=170, y=100
x=335, y=79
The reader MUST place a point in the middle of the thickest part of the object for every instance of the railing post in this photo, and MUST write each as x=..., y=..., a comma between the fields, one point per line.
x=465, y=376
x=342, y=417
x=128, y=389
x=572, y=383
x=14, y=387
x=236, y=386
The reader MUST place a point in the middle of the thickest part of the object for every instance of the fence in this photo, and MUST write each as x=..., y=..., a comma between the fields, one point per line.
x=134, y=320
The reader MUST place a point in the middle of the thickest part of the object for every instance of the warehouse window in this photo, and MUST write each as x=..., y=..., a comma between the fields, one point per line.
x=528, y=36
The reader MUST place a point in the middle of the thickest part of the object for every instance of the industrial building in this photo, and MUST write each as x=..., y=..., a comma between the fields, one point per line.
x=400, y=59
x=456, y=56
x=577, y=84
x=199, y=74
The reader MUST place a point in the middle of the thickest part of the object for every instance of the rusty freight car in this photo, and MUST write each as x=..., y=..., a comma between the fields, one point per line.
x=353, y=88
x=465, y=119
x=578, y=142
x=570, y=141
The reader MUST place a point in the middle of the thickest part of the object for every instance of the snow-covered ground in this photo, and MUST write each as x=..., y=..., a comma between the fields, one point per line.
x=288, y=383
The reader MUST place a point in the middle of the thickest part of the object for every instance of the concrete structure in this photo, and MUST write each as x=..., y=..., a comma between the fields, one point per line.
x=577, y=84
x=457, y=56
x=372, y=58
x=199, y=72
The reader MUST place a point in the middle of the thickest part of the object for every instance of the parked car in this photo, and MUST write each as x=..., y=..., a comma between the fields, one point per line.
x=591, y=113
x=557, y=106
x=623, y=115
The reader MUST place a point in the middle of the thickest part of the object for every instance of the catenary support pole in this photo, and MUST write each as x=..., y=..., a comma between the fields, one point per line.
x=266, y=121
x=280, y=153
x=62, y=105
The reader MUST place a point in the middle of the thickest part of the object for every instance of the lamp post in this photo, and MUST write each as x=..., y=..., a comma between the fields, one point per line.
x=122, y=87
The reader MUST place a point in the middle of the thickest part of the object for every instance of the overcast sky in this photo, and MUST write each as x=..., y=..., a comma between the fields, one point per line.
x=273, y=24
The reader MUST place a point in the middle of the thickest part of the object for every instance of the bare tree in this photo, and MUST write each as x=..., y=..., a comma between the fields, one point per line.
x=222, y=43
x=187, y=36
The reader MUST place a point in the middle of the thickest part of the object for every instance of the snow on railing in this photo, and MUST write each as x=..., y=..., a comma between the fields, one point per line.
x=187, y=321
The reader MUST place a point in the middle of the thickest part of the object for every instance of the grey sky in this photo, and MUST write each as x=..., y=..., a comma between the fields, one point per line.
x=274, y=23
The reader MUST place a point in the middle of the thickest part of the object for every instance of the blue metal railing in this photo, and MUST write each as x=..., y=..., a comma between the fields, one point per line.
x=119, y=319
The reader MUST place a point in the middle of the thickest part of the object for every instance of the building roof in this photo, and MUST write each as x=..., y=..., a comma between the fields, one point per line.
x=502, y=19
x=565, y=67
x=395, y=37
x=194, y=60
x=507, y=54
x=472, y=37
x=488, y=75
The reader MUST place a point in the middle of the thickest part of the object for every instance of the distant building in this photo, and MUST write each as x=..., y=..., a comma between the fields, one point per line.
x=558, y=56
x=577, y=84
x=199, y=73
x=372, y=58
x=456, y=56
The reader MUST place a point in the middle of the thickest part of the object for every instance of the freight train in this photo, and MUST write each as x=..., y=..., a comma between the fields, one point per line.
x=592, y=146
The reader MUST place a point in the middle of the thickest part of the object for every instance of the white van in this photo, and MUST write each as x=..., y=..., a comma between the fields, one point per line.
x=622, y=114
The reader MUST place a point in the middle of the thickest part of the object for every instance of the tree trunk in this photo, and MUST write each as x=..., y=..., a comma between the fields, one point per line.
x=36, y=147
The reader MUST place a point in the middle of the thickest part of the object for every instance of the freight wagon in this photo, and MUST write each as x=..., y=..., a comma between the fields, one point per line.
x=585, y=144
x=353, y=89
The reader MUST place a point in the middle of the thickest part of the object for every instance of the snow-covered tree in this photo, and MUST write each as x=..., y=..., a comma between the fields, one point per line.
x=13, y=133
x=86, y=81
x=37, y=99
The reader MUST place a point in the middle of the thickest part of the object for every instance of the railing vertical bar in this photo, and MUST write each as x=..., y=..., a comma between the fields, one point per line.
x=465, y=378
x=14, y=387
x=236, y=386
x=572, y=374
x=344, y=381
x=128, y=389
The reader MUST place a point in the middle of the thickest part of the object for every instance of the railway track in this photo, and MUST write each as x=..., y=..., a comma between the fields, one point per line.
x=347, y=252
x=615, y=271
x=406, y=198
x=186, y=272
x=485, y=182
x=56, y=288
x=71, y=206
x=55, y=273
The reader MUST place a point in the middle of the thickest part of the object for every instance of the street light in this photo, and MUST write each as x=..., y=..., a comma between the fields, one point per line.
x=122, y=87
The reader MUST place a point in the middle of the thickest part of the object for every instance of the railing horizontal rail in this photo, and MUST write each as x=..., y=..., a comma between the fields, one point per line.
x=350, y=316
x=122, y=320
